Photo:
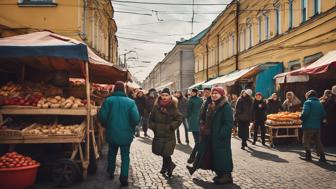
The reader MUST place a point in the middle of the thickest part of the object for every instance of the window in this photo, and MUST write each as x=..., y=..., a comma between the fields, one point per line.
x=239, y=41
x=249, y=33
x=233, y=44
x=304, y=10
x=227, y=47
x=294, y=65
x=312, y=58
x=244, y=38
x=290, y=14
x=277, y=21
x=259, y=28
x=317, y=7
x=266, y=27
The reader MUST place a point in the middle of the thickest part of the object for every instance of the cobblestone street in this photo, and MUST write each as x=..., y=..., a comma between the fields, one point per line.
x=257, y=167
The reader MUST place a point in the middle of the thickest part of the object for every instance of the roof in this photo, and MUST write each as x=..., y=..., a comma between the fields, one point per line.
x=195, y=40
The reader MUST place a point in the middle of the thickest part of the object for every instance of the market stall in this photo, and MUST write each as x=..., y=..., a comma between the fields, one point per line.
x=283, y=125
x=37, y=68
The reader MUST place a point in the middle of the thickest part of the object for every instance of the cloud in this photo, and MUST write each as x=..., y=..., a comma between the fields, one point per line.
x=162, y=26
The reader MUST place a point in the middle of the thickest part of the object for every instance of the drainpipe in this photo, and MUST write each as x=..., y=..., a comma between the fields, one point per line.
x=237, y=33
x=217, y=55
x=109, y=40
x=84, y=20
x=207, y=62
x=181, y=72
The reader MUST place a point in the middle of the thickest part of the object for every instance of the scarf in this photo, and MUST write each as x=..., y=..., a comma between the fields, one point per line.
x=163, y=105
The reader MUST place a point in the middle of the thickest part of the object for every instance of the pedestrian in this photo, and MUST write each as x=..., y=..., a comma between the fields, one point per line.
x=119, y=115
x=273, y=104
x=292, y=103
x=140, y=101
x=150, y=100
x=312, y=116
x=206, y=101
x=233, y=103
x=164, y=120
x=259, y=107
x=183, y=108
x=216, y=139
x=244, y=115
x=326, y=96
x=330, y=108
x=194, y=109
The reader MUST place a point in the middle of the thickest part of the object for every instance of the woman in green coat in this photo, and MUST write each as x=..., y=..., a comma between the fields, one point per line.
x=164, y=120
x=215, y=146
x=220, y=117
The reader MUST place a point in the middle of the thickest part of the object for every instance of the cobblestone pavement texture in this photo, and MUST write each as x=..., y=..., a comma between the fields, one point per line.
x=256, y=167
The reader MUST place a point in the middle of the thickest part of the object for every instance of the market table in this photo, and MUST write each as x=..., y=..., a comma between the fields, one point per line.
x=275, y=132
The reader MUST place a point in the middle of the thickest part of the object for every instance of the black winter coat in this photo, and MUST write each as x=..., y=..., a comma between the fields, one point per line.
x=259, y=107
x=244, y=109
x=273, y=106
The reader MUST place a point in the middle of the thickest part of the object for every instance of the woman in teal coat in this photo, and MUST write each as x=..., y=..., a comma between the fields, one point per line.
x=194, y=109
x=119, y=115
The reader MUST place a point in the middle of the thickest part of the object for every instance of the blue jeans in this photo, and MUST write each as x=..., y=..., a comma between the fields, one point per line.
x=125, y=159
x=196, y=135
x=185, y=125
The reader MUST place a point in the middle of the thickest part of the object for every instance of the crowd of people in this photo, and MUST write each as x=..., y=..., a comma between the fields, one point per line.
x=212, y=116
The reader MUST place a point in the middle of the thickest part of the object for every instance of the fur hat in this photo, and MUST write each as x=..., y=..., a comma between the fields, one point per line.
x=166, y=90
x=333, y=90
x=119, y=86
x=194, y=90
x=249, y=92
x=220, y=90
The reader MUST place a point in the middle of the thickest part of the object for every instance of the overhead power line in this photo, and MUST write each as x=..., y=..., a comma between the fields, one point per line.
x=183, y=4
x=147, y=41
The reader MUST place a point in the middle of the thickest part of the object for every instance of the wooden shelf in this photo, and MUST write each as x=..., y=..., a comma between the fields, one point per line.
x=44, y=140
x=50, y=111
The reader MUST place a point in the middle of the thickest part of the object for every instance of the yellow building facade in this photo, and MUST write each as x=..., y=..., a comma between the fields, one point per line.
x=253, y=32
x=90, y=21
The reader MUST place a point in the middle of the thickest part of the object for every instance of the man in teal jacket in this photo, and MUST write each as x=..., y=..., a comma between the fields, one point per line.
x=119, y=115
x=312, y=116
x=193, y=115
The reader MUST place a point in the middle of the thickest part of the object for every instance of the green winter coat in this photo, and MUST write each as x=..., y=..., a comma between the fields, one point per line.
x=194, y=108
x=222, y=124
x=119, y=115
x=164, y=126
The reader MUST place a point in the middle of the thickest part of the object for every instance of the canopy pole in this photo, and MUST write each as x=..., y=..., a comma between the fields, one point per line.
x=88, y=121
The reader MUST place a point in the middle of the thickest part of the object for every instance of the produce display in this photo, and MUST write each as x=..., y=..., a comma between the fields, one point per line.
x=60, y=102
x=37, y=95
x=57, y=129
x=284, y=118
x=14, y=125
x=15, y=160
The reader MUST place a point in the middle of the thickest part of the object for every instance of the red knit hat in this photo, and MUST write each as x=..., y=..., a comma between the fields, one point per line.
x=220, y=90
x=119, y=86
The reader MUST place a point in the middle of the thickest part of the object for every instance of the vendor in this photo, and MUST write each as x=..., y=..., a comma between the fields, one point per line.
x=292, y=103
x=273, y=104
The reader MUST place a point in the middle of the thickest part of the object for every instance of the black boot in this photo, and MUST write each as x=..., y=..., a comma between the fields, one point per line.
x=164, y=168
x=308, y=156
x=171, y=169
x=123, y=181
x=322, y=158
x=225, y=179
x=191, y=169
x=191, y=159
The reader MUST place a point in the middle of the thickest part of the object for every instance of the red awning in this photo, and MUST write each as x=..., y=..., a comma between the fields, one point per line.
x=320, y=66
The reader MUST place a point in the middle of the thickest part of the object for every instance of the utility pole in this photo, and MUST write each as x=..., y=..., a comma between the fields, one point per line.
x=193, y=18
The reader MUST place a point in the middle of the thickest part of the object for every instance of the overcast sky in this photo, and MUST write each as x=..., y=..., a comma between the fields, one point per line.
x=160, y=26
